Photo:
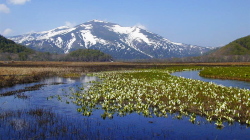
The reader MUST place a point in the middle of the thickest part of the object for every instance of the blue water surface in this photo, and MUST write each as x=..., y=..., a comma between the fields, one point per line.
x=227, y=83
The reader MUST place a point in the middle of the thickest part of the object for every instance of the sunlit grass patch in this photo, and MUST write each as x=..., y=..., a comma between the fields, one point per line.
x=233, y=72
x=71, y=75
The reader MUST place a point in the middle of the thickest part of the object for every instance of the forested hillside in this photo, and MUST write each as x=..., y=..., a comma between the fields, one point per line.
x=240, y=46
x=10, y=46
x=11, y=51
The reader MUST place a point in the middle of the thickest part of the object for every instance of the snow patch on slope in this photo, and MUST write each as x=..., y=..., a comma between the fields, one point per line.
x=54, y=32
x=88, y=38
x=59, y=42
x=87, y=27
x=71, y=41
x=132, y=32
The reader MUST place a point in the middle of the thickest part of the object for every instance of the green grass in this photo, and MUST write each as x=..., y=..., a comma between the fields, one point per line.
x=234, y=73
x=155, y=92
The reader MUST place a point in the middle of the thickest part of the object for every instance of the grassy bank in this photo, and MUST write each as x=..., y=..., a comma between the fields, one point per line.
x=233, y=73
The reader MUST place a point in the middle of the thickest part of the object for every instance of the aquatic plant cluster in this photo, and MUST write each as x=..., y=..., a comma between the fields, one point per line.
x=154, y=92
x=233, y=72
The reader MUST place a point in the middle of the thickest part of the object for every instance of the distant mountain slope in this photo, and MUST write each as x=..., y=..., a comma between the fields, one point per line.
x=9, y=50
x=113, y=39
x=240, y=46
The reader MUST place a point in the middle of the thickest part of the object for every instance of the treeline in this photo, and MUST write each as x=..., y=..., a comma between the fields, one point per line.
x=88, y=55
x=199, y=59
x=85, y=55
x=212, y=59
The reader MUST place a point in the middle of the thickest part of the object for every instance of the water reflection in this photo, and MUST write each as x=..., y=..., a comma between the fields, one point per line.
x=228, y=83
x=82, y=79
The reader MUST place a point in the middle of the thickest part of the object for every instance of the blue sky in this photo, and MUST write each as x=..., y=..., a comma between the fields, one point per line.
x=197, y=22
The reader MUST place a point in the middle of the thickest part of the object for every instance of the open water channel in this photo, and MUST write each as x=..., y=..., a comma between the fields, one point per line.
x=30, y=115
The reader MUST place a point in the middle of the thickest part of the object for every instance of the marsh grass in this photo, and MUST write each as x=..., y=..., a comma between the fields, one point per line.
x=10, y=76
x=36, y=124
x=154, y=92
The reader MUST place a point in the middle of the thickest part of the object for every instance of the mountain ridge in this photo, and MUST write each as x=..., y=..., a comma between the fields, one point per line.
x=118, y=41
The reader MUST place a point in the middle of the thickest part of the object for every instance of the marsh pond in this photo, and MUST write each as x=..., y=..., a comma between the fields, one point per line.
x=48, y=110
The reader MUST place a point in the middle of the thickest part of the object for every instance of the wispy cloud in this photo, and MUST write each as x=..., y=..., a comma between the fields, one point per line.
x=4, y=8
x=141, y=26
x=7, y=31
x=69, y=24
x=18, y=2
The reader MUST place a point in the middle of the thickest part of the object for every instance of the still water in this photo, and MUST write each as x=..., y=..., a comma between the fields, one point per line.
x=64, y=122
x=227, y=83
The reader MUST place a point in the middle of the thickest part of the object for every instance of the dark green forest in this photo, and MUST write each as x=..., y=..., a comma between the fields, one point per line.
x=10, y=46
x=88, y=55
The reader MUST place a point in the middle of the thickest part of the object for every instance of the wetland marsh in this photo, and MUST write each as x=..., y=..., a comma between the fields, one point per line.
x=129, y=104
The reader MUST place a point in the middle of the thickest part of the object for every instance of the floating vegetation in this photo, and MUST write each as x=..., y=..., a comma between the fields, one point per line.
x=71, y=75
x=57, y=83
x=154, y=92
x=22, y=96
x=19, y=92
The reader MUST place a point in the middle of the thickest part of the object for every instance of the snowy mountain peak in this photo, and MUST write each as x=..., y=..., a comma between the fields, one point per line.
x=118, y=41
x=95, y=20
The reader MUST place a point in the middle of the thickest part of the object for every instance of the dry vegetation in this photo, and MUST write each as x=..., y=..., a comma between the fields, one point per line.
x=10, y=76
x=30, y=71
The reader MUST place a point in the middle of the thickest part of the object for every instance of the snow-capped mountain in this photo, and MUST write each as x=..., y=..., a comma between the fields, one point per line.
x=120, y=42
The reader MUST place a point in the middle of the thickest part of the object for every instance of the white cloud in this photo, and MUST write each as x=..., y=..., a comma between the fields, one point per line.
x=141, y=26
x=4, y=8
x=7, y=31
x=18, y=1
x=69, y=24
